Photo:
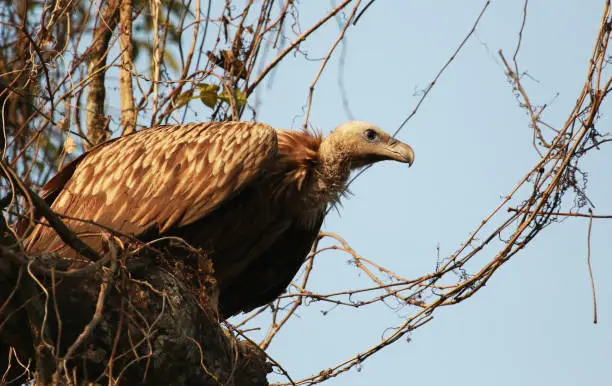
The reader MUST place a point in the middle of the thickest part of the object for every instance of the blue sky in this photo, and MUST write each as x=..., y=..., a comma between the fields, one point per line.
x=532, y=324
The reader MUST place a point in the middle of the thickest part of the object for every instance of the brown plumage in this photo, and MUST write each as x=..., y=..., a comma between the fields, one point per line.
x=252, y=197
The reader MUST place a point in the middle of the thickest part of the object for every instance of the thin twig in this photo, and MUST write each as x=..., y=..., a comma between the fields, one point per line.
x=591, y=269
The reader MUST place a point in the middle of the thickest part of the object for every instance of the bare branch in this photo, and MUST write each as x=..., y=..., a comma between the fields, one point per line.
x=97, y=131
x=128, y=108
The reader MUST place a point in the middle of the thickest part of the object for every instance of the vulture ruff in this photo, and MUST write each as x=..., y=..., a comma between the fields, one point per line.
x=251, y=197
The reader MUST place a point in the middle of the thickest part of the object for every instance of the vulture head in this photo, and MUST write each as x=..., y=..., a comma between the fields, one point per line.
x=361, y=144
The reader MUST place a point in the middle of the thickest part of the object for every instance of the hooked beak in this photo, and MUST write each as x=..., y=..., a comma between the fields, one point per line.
x=400, y=152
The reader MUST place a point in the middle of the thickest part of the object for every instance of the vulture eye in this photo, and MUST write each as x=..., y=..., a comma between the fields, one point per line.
x=370, y=135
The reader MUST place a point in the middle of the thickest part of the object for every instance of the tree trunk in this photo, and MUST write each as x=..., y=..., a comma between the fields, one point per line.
x=126, y=324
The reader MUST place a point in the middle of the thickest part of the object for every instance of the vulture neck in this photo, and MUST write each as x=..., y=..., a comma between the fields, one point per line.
x=332, y=170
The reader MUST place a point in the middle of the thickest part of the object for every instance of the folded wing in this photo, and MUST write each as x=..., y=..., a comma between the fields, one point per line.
x=160, y=178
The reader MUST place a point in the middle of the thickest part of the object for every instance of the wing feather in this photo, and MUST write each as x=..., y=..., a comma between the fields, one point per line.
x=163, y=177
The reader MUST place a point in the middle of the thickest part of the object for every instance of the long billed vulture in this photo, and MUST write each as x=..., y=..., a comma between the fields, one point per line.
x=250, y=196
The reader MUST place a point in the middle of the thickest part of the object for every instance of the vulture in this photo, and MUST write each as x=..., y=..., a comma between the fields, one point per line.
x=252, y=197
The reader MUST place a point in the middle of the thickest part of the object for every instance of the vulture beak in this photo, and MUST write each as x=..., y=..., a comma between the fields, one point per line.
x=399, y=151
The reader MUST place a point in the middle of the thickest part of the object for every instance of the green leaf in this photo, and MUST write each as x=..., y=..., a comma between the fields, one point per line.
x=240, y=98
x=205, y=87
x=208, y=94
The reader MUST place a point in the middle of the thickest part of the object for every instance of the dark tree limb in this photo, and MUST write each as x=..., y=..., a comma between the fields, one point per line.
x=152, y=327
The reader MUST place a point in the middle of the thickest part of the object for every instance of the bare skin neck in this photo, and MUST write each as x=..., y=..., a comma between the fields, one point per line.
x=331, y=173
